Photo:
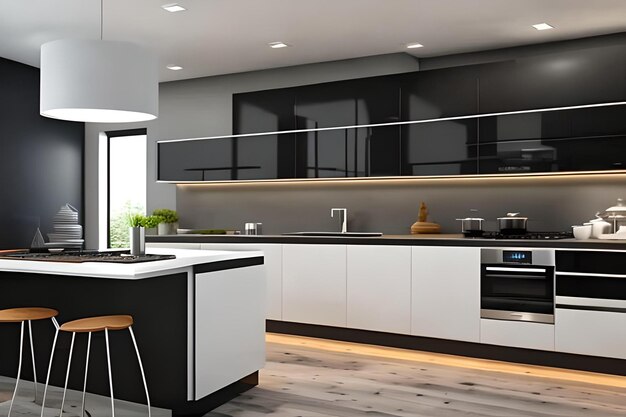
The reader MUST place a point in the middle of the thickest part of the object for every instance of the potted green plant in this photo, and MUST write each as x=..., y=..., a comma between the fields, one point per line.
x=168, y=221
x=137, y=231
x=151, y=223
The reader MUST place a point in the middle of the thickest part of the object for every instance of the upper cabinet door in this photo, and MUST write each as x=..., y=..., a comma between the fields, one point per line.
x=348, y=103
x=439, y=93
x=590, y=139
x=440, y=148
x=571, y=78
x=243, y=158
x=264, y=111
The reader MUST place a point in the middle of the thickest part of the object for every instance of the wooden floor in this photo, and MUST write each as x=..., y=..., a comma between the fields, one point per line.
x=317, y=378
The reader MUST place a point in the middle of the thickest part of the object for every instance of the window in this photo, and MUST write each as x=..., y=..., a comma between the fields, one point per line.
x=127, y=182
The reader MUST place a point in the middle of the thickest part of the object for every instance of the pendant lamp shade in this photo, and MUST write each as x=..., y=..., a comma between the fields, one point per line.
x=98, y=81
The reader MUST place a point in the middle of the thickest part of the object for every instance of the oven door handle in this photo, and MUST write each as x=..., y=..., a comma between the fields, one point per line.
x=520, y=269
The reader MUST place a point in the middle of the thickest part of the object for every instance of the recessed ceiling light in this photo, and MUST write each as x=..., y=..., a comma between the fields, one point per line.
x=277, y=45
x=173, y=7
x=543, y=26
x=174, y=67
x=414, y=45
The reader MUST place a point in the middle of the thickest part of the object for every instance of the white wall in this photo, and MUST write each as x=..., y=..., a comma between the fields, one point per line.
x=203, y=107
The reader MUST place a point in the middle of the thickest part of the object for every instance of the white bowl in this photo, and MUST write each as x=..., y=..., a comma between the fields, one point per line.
x=582, y=232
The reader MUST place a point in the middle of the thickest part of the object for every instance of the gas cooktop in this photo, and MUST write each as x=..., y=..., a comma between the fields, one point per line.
x=529, y=235
x=123, y=257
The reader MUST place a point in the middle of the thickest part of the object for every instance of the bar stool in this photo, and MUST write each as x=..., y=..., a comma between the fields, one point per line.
x=90, y=325
x=23, y=315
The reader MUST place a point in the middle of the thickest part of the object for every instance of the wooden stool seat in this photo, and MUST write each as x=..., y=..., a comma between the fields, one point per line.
x=97, y=324
x=17, y=315
x=90, y=325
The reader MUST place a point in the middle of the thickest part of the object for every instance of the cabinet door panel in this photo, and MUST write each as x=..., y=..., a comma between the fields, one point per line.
x=440, y=148
x=576, y=77
x=326, y=105
x=590, y=154
x=197, y=160
x=517, y=334
x=314, y=284
x=379, y=149
x=243, y=158
x=378, y=99
x=446, y=293
x=588, y=139
x=379, y=288
x=264, y=111
x=327, y=154
x=273, y=261
x=440, y=93
x=348, y=103
x=596, y=333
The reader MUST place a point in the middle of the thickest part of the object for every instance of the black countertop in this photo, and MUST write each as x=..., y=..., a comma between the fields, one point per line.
x=411, y=240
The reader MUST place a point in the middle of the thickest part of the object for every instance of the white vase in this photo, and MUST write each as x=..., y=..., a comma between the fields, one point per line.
x=137, y=240
x=168, y=228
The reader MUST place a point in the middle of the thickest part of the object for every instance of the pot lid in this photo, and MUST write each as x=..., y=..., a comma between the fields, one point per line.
x=513, y=216
x=619, y=207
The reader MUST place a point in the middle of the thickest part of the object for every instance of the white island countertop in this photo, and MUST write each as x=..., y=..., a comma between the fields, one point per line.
x=185, y=258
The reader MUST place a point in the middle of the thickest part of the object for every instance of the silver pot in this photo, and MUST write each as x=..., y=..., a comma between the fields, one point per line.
x=472, y=226
x=512, y=224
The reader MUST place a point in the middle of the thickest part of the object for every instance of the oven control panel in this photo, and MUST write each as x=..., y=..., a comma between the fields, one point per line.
x=517, y=256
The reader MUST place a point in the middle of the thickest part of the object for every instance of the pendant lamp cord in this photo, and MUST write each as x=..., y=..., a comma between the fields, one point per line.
x=101, y=18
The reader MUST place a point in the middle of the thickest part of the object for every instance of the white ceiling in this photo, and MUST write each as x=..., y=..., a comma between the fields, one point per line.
x=225, y=36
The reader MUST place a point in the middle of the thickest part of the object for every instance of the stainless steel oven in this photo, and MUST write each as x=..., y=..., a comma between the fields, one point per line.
x=517, y=284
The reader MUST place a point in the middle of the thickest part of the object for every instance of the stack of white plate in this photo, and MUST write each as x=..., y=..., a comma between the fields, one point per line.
x=67, y=232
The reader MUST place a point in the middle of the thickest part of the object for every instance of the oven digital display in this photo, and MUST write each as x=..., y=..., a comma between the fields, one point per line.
x=516, y=256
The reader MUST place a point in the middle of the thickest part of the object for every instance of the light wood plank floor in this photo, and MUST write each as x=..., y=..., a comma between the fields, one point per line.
x=317, y=378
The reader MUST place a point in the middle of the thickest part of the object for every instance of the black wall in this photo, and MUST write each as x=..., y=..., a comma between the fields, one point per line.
x=41, y=159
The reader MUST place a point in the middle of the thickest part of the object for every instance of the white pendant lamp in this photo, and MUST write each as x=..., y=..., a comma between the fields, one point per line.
x=98, y=81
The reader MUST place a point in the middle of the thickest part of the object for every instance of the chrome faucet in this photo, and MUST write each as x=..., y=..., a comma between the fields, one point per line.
x=343, y=217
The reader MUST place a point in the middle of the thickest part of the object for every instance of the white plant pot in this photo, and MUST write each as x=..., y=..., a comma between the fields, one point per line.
x=168, y=228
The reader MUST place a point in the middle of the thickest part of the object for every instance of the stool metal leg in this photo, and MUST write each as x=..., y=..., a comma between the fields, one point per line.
x=143, y=375
x=86, y=369
x=54, y=343
x=32, y=352
x=67, y=374
x=19, y=368
x=106, y=336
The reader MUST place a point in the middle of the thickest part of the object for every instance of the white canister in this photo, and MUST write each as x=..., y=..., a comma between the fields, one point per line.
x=599, y=227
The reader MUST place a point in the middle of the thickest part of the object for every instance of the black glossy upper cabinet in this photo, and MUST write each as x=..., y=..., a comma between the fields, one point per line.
x=440, y=148
x=264, y=111
x=569, y=78
x=588, y=139
x=348, y=103
x=439, y=93
x=244, y=158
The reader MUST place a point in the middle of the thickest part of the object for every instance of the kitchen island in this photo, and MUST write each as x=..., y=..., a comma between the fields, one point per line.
x=199, y=323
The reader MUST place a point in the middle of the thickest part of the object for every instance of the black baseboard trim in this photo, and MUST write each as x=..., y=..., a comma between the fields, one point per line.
x=201, y=407
x=452, y=347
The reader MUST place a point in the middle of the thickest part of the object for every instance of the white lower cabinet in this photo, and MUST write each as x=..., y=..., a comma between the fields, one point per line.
x=379, y=288
x=446, y=292
x=314, y=284
x=229, y=334
x=273, y=259
x=517, y=334
x=597, y=333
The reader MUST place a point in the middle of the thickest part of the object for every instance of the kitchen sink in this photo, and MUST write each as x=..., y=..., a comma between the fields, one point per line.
x=347, y=234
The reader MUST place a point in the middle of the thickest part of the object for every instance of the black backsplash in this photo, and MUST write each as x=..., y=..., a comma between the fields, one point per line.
x=41, y=159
